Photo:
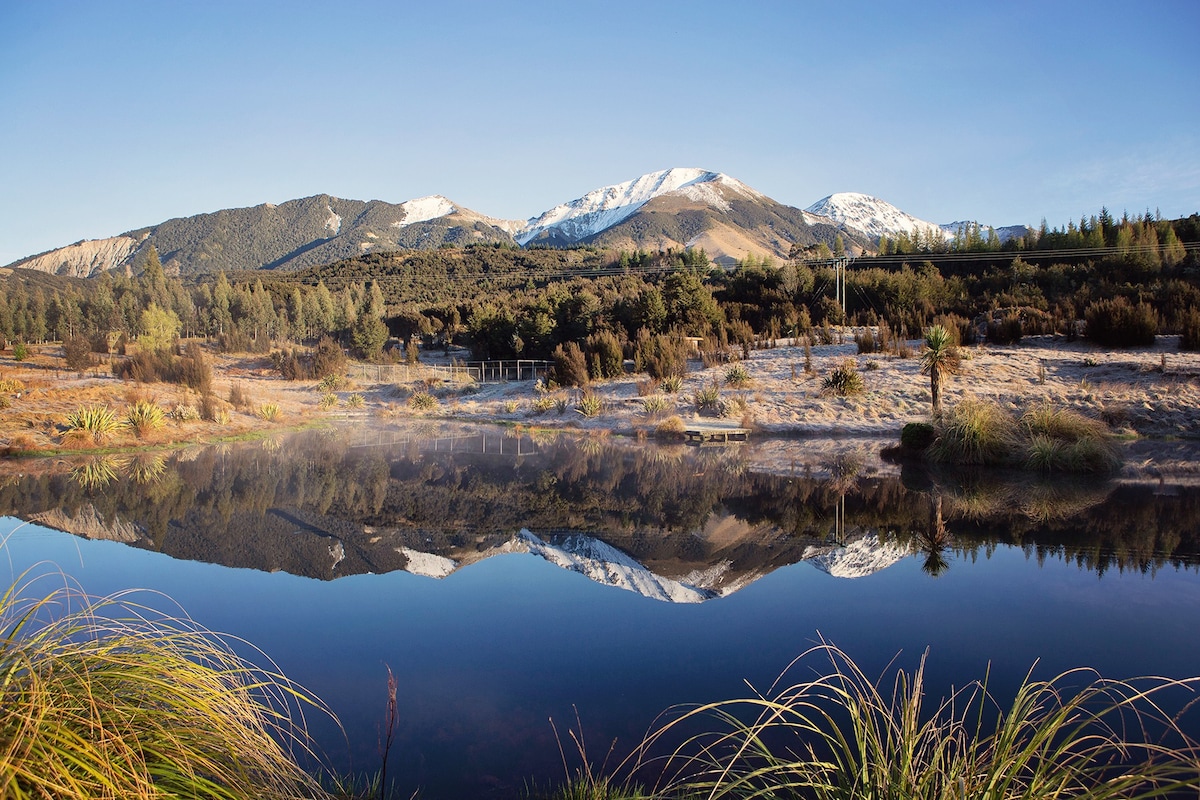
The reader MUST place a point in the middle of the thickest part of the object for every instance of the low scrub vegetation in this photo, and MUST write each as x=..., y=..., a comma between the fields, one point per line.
x=1189, y=330
x=1044, y=438
x=1118, y=323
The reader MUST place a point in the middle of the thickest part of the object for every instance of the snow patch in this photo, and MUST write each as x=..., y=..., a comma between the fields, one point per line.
x=424, y=209
x=860, y=558
x=427, y=564
x=334, y=222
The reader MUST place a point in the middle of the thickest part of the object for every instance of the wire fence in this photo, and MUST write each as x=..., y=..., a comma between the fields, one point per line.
x=476, y=371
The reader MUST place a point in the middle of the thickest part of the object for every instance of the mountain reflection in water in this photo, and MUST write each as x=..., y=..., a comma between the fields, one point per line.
x=672, y=523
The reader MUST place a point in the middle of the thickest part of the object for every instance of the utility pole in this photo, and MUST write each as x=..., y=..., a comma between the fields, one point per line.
x=839, y=271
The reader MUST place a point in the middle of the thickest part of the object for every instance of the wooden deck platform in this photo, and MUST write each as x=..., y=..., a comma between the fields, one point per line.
x=706, y=434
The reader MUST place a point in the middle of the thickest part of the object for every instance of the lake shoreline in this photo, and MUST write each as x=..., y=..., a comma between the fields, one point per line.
x=1150, y=398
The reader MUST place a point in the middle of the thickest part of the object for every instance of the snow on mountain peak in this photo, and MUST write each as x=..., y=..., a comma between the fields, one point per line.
x=860, y=558
x=610, y=205
x=423, y=209
x=870, y=215
x=605, y=564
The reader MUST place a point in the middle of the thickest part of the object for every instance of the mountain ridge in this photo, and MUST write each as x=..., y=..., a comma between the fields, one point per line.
x=672, y=208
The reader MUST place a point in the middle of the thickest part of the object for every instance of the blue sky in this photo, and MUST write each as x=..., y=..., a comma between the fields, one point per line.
x=117, y=115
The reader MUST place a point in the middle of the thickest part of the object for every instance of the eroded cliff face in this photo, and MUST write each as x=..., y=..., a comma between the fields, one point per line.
x=87, y=258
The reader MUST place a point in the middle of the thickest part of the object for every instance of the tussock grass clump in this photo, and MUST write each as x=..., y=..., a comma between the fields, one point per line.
x=845, y=380
x=94, y=423
x=11, y=386
x=671, y=428
x=671, y=384
x=327, y=401
x=145, y=416
x=1045, y=438
x=355, y=400
x=541, y=404
x=975, y=432
x=646, y=386
x=1061, y=423
x=1063, y=439
x=844, y=735
x=104, y=698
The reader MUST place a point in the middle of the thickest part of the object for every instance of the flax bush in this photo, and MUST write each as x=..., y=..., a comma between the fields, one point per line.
x=96, y=423
x=845, y=380
x=145, y=416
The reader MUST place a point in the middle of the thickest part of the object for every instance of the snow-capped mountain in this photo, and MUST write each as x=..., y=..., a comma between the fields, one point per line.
x=680, y=208
x=670, y=208
x=871, y=216
x=860, y=558
x=1004, y=234
x=586, y=555
x=601, y=209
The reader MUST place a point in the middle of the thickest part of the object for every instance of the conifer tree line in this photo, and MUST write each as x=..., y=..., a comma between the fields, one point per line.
x=503, y=302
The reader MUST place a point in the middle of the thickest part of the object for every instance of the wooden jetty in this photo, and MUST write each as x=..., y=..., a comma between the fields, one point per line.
x=709, y=434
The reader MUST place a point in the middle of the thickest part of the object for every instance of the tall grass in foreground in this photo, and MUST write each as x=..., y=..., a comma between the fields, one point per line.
x=843, y=735
x=104, y=698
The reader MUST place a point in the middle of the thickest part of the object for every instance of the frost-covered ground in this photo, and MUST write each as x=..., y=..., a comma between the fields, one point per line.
x=1147, y=392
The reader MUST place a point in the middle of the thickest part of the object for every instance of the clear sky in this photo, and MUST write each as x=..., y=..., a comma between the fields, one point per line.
x=119, y=114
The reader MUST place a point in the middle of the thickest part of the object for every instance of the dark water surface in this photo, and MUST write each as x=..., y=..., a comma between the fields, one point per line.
x=607, y=579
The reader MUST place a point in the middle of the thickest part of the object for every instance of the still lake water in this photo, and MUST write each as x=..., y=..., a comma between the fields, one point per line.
x=508, y=580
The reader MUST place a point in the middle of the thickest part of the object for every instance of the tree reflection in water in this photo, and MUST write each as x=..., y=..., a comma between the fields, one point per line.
x=331, y=503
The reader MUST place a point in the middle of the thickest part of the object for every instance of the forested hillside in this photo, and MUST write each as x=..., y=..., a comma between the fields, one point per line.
x=1117, y=281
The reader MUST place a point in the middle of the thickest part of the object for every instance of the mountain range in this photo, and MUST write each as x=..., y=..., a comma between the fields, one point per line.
x=328, y=556
x=673, y=208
